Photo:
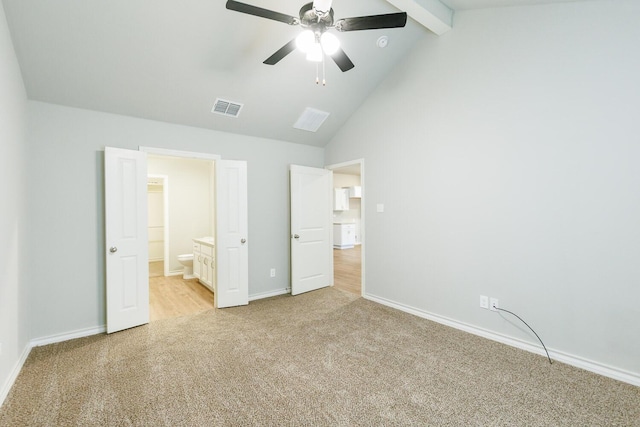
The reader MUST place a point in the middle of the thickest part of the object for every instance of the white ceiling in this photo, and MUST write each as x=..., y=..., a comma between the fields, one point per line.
x=169, y=61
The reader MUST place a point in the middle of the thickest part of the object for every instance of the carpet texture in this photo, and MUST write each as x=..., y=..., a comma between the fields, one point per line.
x=325, y=358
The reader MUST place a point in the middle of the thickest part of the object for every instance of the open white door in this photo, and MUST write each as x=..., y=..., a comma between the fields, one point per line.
x=311, y=229
x=232, y=248
x=127, y=264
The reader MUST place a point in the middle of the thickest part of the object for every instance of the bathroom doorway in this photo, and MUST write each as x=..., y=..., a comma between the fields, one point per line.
x=127, y=281
x=348, y=226
x=181, y=207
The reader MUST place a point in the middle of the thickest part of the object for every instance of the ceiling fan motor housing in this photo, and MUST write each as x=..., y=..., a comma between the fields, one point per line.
x=317, y=22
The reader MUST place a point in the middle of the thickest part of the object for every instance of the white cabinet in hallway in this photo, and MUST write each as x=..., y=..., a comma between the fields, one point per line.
x=344, y=236
x=204, y=262
x=340, y=199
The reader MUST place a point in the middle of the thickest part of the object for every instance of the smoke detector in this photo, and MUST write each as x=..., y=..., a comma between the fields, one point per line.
x=382, y=42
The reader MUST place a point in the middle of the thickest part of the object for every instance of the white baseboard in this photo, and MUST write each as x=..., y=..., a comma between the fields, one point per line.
x=37, y=342
x=269, y=294
x=6, y=387
x=569, y=359
x=80, y=333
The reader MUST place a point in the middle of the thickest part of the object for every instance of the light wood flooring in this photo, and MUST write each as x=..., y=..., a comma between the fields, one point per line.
x=172, y=296
x=156, y=268
x=347, y=267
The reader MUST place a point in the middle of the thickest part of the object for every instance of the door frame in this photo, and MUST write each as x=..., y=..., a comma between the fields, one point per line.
x=359, y=162
x=185, y=155
x=165, y=219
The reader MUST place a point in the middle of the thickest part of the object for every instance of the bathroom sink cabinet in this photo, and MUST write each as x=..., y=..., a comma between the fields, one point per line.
x=204, y=263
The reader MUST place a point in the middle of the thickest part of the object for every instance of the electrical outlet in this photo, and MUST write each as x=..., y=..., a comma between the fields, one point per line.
x=493, y=304
x=484, y=301
x=273, y=272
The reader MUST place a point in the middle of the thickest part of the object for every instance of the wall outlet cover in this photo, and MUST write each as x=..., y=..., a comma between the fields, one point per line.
x=484, y=301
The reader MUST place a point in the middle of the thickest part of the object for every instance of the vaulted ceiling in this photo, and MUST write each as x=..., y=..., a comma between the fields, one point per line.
x=170, y=60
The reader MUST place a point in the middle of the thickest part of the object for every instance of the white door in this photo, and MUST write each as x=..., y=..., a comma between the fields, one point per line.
x=232, y=247
x=311, y=229
x=127, y=258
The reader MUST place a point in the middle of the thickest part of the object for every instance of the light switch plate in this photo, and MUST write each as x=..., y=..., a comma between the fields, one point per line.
x=379, y=207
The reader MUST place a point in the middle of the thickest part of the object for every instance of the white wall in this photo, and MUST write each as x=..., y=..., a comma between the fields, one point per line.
x=13, y=316
x=190, y=204
x=66, y=207
x=510, y=167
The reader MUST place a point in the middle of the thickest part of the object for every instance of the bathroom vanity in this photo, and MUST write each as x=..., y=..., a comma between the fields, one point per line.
x=204, y=261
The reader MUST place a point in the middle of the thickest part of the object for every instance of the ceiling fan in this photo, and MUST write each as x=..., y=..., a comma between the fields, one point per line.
x=317, y=18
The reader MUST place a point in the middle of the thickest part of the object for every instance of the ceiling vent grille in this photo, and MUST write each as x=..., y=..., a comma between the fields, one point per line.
x=226, y=108
x=311, y=119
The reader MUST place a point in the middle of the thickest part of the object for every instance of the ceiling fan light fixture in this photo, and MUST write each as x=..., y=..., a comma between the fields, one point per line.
x=305, y=41
x=314, y=53
x=330, y=43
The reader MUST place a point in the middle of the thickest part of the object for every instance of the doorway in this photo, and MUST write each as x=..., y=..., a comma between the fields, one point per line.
x=348, y=226
x=127, y=252
x=181, y=194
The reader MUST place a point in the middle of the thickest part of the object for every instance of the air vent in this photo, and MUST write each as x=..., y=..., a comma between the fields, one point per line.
x=311, y=119
x=226, y=108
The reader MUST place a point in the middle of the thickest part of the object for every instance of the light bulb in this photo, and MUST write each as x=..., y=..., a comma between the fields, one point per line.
x=305, y=40
x=330, y=43
x=315, y=53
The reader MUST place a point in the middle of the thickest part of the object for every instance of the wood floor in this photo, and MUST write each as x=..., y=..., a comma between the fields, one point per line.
x=347, y=267
x=172, y=296
x=156, y=268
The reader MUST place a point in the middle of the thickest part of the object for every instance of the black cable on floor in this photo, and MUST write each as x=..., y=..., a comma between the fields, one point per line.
x=543, y=346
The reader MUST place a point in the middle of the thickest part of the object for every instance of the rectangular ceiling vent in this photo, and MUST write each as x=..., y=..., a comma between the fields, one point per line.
x=311, y=119
x=227, y=108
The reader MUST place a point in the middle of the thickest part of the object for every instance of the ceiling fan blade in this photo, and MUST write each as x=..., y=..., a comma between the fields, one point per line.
x=281, y=53
x=373, y=22
x=342, y=60
x=263, y=13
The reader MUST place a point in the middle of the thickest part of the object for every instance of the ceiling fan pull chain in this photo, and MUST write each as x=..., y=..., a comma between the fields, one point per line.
x=324, y=82
x=317, y=74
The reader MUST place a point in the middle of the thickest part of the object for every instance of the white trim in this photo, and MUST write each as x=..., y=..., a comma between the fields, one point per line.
x=179, y=153
x=80, y=333
x=579, y=362
x=37, y=342
x=269, y=294
x=6, y=388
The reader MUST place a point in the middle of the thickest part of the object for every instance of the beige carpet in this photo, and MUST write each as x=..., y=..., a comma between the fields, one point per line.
x=322, y=358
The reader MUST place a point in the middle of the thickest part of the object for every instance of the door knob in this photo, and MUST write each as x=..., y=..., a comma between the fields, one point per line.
x=243, y=241
x=295, y=236
x=113, y=249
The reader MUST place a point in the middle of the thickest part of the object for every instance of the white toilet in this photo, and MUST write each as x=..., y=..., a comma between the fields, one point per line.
x=187, y=261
